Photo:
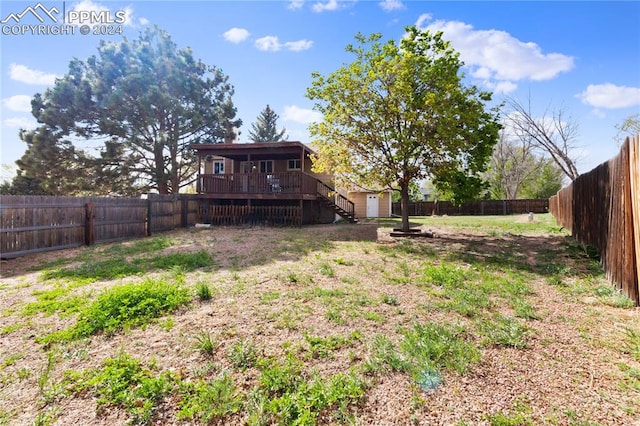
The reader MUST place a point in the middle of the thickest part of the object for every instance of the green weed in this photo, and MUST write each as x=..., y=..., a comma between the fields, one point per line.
x=209, y=401
x=612, y=296
x=327, y=270
x=323, y=347
x=90, y=271
x=142, y=246
x=286, y=395
x=10, y=360
x=243, y=354
x=436, y=346
x=375, y=317
x=519, y=415
x=631, y=377
x=523, y=309
x=55, y=300
x=203, y=291
x=287, y=319
x=631, y=343
x=341, y=261
x=335, y=315
x=206, y=344
x=186, y=261
x=504, y=331
x=444, y=275
x=120, y=267
x=124, y=382
x=45, y=374
x=384, y=357
x=268, y=297
x=465, y=301
x=390, y=300
x=128, y=305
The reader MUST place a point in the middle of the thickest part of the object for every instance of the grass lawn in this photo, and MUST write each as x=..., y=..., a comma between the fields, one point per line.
x=495, y=321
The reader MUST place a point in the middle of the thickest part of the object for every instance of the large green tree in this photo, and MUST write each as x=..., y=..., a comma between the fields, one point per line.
x=400, y=113
x=265, y=129
x=141, y=104
x=52, y=165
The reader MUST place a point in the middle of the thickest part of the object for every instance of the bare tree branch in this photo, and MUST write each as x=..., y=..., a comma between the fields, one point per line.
x=552, y=133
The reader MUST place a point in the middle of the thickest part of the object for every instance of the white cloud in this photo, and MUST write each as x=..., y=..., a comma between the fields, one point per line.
x=236, y=35
x=21, y=123
x=129, y=20
x=268, y=44
x=272, y=44
x=20, y=103
x=389, y=5
x=300, y=115
x=609, y=95
x=327, y=6
x=422, y=19
x=295, y=4
x=25, y=74
x=496, y=56
x=297, y=46
x=501, y=87
x=144, y=21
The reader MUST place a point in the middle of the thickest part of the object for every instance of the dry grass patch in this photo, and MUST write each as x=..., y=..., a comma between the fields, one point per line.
x=494, y=321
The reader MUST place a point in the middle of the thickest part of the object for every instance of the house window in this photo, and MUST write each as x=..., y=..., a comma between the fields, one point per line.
x=294, y=164
x=218, y=167
x=266, y=166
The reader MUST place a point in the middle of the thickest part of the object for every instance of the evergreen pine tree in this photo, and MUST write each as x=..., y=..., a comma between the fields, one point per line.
x=265, y=129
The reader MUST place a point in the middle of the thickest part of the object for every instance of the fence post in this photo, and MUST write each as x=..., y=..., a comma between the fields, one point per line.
x=89, y=224
x=149, y=204
x=183, y=211
x=634, y=184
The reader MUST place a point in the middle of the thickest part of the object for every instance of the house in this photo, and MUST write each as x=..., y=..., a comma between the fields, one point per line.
x=265, y=183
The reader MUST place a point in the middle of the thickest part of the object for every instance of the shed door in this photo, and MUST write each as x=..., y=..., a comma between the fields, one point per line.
x=372, y=205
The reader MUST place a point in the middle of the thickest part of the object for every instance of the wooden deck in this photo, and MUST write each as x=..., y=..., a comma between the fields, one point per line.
x=275, y=186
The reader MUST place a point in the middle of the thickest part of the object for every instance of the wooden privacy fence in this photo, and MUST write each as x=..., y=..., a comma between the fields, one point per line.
x=230, y=215
x=33, y=224
x=475, y=208
x=601, y=208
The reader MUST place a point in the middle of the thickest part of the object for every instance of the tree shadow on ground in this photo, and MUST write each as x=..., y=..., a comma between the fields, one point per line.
x=546, y=255
x=230, y=248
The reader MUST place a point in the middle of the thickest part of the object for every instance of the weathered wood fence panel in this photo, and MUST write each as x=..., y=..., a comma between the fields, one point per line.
x=165, y=212
x=118, y=219
x=601, y=208
x=38, y=223
x=475, y=208
x=32, y=224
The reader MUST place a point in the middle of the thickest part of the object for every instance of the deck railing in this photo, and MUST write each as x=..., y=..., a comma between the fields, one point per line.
x=257, y=183
x=341, y=202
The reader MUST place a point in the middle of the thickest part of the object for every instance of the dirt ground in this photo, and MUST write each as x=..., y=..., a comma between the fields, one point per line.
x=575, y=370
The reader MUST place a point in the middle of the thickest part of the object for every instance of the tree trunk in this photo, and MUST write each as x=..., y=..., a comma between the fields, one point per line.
x=404, y=206
x=163, y=188
x=161, y=180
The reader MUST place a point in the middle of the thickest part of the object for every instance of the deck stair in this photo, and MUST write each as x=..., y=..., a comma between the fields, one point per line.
x=340, y=204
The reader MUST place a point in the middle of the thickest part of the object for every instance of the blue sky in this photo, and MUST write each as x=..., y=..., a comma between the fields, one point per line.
x=582, y=57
